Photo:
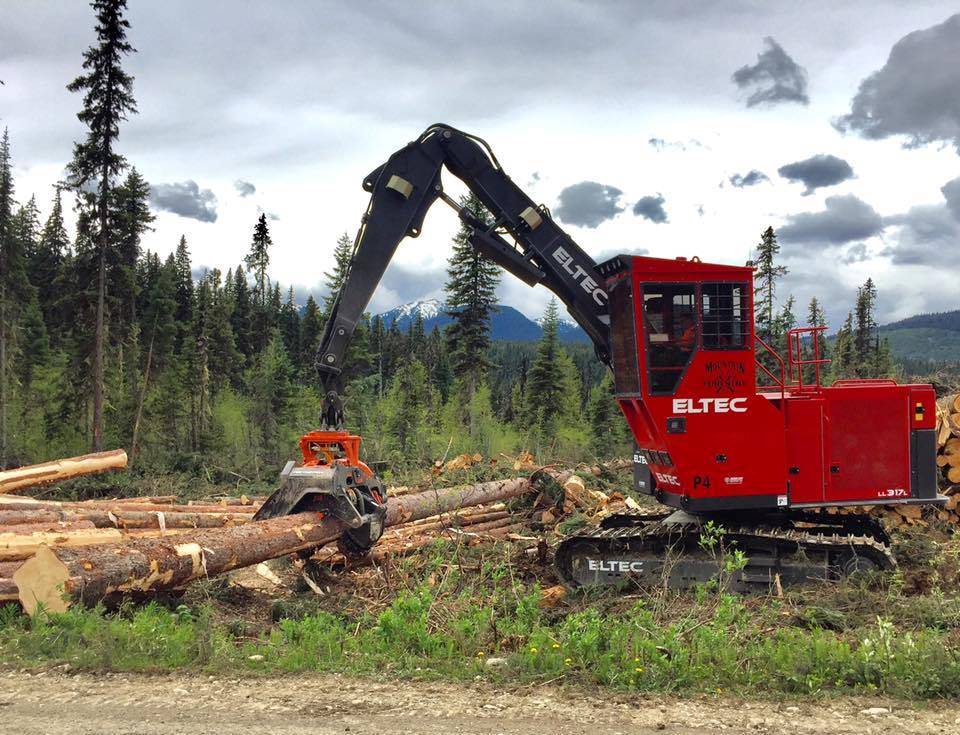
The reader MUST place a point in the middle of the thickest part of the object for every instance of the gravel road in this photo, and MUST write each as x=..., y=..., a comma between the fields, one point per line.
x=61, y=703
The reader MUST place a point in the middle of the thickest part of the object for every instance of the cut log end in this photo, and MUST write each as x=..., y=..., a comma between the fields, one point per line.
x=40, y=582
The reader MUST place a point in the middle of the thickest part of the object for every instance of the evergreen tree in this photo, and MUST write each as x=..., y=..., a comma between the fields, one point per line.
x=406, y=409
x=844, y=364
x=766, y=275
x=471, y=289
x=290, y=327
x=334, y=280
x=864, y=335
x=223, y=357
x=25, y=227
x=241, y=318
x=786, y=320
x=311, y=327
x=15, y=290
x=258, y=260
x=272, y=399
x=185, y=296
x=131, y=220
x=47, y=268
x=108, y=99
x=609, y=433
x=816, y=318
x=552, y=389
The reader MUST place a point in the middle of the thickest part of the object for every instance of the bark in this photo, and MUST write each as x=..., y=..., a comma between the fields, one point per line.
x=8, y=590
x=124, y=518
x=61, y=469
x=60, y=577
x=143, y=394
x=433, y=502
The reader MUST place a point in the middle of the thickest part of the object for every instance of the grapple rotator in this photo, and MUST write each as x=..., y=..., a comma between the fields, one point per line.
x=332, y=480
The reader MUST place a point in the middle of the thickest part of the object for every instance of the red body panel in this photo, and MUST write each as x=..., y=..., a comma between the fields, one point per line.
x=713, y=441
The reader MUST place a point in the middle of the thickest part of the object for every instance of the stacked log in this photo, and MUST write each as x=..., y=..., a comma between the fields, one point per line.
x=948, y=440
x=61, y=469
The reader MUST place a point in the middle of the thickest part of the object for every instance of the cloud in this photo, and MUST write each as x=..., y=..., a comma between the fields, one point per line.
x=817, y=171
x=951, y=192
x=651, y=207
x=244, y=188
x=845, y=219
x=185, y=199
x=855, y=254
x=607, y=253
x=751, y=178
x=927, y=234
x=916, y=93
x=588, y=204
x=660, y=144
x=774, y=78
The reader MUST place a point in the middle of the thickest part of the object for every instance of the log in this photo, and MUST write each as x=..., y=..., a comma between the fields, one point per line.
x=60, y=577
x=8, y=590
x=953, y=475
x=14, y=546
x=433, y=502
x=61, y=469
x=59, y=526
x=125, y=519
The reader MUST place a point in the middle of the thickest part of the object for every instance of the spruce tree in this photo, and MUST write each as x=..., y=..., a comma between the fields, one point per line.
x=241, y=318
x=47, y=268
x=766, y=275
x=552, y=388
x=816, y=318
x=471, y=289
x=108, y=99
x=185, y=295
x=290, y=327
x=864, y=336
x=334, y=280
x=131, y=220
x=311, y=327
x=844, y=364
x=26, y=228
x=258, y=260
x=406, y=410
x=12, y=283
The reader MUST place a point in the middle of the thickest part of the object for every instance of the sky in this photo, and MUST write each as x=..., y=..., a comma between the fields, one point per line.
x=667, y=128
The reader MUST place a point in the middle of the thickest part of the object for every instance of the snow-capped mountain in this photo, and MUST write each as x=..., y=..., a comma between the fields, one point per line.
x=507, y=323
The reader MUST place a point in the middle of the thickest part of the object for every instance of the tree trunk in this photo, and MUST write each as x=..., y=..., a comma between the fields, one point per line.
x=125, y=519
x=3, y=376
x=98, y=349
x=61, y=469
x=143, y=394
x=60, y=577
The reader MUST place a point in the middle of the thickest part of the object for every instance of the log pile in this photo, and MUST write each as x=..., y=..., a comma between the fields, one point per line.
x=87, y=565
x=95, y=549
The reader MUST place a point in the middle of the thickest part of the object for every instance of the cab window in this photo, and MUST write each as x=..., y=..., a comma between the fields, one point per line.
x=670, y=324
x=724, y=316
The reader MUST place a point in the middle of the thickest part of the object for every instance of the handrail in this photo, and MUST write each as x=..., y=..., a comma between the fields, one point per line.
x=795, y=354
x=776, y=355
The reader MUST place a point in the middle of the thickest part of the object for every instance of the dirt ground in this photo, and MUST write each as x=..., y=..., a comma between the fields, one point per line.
x=61, y=703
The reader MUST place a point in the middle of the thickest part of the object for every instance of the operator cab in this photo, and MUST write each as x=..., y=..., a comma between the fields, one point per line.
x=685, y=367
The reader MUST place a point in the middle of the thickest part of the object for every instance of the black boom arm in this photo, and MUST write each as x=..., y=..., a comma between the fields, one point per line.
x=401, y=192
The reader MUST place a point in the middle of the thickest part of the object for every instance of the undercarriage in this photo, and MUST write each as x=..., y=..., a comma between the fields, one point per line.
x=680, y=550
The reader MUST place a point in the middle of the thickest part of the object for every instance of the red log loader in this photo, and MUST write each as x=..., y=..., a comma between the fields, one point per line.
x=764, y=464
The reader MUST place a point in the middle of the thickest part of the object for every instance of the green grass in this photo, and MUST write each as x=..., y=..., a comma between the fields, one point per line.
x=450, y=611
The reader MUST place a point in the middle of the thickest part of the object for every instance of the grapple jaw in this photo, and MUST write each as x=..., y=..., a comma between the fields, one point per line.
x=351, y=494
